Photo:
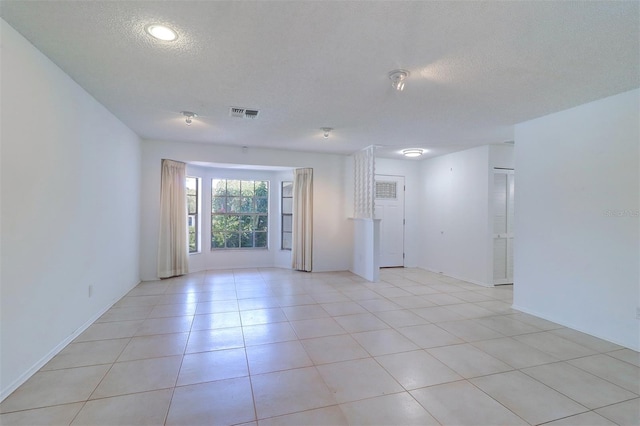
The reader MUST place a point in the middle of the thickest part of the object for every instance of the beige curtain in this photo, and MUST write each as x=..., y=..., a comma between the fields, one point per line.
x=172, y=242
x=302, y=246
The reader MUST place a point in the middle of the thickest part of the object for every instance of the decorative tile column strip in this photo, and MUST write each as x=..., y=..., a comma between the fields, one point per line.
x=364, y=183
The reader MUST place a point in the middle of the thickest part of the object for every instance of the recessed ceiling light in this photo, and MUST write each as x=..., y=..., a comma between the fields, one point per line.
x=161, y=32
x=412, y=152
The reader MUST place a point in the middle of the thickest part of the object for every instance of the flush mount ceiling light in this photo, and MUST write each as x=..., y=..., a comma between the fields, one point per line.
x=326, y=131
x=188, y=116
x=161, y=32
x=412, y=152
x=397, y=78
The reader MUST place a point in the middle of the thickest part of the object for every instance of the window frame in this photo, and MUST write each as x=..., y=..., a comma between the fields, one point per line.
x=196, y=215
x=251, y=221
x=284, y=215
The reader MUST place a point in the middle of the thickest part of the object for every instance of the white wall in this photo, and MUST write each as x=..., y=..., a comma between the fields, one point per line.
x=577, y=226
x=410, y=170
x=455, y=215
x=455, y=225
x=366, y=248
x=331, y=229
x=70, y=179
x=501, y=156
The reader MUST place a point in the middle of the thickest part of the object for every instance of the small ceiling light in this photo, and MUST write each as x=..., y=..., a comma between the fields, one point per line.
x=161, y=32
x=326, y=131
x=397, y=79
x=189, y=116
x=412, y=152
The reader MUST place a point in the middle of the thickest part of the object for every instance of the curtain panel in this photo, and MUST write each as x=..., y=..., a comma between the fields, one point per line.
x=301, y=251
x=172, y=241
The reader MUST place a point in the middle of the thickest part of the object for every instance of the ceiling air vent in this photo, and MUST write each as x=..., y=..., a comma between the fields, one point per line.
x=243, y=112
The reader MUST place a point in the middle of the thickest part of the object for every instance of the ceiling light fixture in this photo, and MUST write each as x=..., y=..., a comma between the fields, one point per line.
x=412, y=152
x=326, y=131
x=161, y=32
x=189, y=116
x=397, y=79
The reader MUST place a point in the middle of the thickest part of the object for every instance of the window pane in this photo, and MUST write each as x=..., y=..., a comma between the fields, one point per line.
x=217, y=240
x=286, y=223
x=192, y=195
x=233, y=223
x=217, y=224
x=286, y=240
x=192, y=185
x=233, y=240
x=287, y=205
x=192, y=204
x=262, y=224
x=233, y=204
x=246, y=223
x=192, y=212
x=261, y=239
x=247, y=188
x=246, y=205
x=217, y=205
x=225, y=223
x=233, y=187
x=262, y=188
x=218, y=187
x=192, y=240
x=246, y=239
x=262, y=205
x=287, y=189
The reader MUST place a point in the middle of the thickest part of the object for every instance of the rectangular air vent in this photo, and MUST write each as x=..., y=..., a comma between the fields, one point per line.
x=386, y=190
x=243, y=112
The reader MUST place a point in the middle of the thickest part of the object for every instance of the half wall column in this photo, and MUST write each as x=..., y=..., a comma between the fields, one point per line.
x=366, y=230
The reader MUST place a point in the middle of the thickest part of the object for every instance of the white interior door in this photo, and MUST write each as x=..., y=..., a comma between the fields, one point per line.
x=389, y=207
x=503, y=190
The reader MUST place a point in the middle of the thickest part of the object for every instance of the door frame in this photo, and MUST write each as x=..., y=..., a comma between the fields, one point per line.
x=508, y=236
x=404, y=213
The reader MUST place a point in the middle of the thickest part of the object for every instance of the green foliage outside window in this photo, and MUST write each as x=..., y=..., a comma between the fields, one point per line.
x=239, y=213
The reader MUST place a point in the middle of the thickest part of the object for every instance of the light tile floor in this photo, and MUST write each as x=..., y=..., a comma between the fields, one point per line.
x=277, y=347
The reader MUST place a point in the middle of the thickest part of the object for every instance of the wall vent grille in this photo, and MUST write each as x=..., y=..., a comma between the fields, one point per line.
x=243, y=112
x=386, y=190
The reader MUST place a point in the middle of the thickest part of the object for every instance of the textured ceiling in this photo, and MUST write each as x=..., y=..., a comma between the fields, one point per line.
x=477, y=68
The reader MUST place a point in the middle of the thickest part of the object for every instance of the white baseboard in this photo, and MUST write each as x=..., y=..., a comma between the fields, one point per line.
x=5, y=392
x=572, y=326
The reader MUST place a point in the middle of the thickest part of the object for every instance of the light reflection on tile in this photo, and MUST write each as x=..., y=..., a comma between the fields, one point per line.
x=280, y=347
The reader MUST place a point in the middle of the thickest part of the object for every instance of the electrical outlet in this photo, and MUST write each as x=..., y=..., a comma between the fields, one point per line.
x=90, y=290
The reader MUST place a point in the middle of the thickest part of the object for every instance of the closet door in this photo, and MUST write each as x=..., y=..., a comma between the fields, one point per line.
x=503, y=190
